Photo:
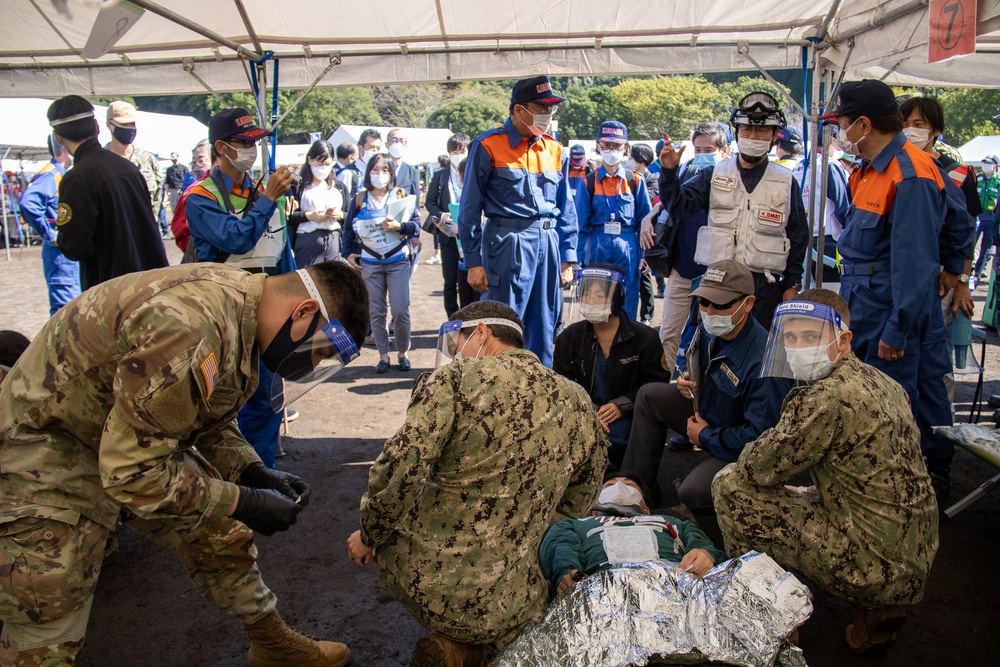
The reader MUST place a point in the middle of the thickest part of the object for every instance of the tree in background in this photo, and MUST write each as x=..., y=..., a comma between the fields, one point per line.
x=968, y=113
x=673, y=104
x=469, y=114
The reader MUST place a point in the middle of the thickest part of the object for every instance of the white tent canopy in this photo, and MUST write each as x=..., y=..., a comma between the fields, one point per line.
x=27, y=127
x=974, y=151
x=56, y=47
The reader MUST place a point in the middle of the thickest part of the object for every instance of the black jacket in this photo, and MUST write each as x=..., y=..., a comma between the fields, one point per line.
x=636, y=358
x=105, y=221
x=438, y=198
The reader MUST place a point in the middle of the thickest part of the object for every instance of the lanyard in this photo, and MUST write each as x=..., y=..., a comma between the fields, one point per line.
x=617, y=206
x=224, y=191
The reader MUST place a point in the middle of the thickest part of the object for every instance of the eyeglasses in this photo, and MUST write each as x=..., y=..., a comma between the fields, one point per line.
x=705, y=303
x=395, y=140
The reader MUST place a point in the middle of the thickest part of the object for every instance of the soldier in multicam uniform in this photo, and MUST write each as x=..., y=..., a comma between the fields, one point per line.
x=461, y=495
x=867, y=531
x=121, y=124
x=125, y=404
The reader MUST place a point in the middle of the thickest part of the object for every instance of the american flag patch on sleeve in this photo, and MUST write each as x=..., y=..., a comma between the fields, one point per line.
x=209, y=370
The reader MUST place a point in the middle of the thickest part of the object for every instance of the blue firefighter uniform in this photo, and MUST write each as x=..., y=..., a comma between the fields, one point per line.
x=214, y=231
x=39, y=205
x=891, y=260
x=609, y=225
x=521, y=185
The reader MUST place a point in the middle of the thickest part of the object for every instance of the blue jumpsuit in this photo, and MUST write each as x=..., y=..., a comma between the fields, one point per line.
x=213, y=231
x=521, y=185
x=629, y=205
x=38, y=208
x=891, y=260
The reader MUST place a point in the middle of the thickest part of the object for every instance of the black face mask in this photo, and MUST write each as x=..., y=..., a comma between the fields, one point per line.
x=124, y=135
x=282, y=355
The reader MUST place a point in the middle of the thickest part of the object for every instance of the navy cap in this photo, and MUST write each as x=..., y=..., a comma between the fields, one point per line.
x=869, y=97
x=537, y=89
x=991, y=158
x=789, y=136
x=613, y=131
x=234, y=124
x=578, y=150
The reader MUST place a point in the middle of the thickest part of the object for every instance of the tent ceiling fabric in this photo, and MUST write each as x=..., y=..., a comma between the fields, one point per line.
x=444, y=40
x=420, y=41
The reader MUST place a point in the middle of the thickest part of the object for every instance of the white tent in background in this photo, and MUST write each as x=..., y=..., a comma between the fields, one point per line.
x=423, y=145
x=974, y=151
x=25, y=127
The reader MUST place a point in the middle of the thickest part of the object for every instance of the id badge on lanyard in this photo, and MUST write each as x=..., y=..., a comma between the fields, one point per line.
x=614, y=225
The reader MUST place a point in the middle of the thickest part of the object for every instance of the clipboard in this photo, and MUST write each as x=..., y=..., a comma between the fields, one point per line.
x=401, y=210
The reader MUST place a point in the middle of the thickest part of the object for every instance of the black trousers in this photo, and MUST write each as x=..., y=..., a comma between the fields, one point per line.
x=768, y=298
x=457, y=290
x=646, y=294
x=658, y=407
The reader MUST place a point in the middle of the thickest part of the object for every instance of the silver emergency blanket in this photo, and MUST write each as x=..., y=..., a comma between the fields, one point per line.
x=983, y=442
x=738, y=614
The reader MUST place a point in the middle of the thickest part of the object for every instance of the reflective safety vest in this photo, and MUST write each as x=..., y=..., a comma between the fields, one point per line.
x=267, y=253
x=747, y=227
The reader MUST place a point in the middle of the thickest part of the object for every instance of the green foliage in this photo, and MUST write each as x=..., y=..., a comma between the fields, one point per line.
x=671, y=103
x=968, y=113
x=471, y=115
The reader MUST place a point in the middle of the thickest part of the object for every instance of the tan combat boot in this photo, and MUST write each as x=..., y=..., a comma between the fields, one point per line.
x=873, y=629
x=274, y=644
x=437, y=651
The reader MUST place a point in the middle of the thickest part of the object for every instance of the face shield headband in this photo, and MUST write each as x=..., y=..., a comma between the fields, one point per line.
x=315, y=359
x=448, y=348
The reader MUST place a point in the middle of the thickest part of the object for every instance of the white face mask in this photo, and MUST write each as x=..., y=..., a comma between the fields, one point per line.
x=612, y=158
x=988, y=169
x=917, y=136
x=321, y=171
x=380, y=179
x=459, y=356
x=753, y=147
x=363, y=157
x=720, y=325
x=540, y=122
x=846, y=144
x=397, y=150
x=620, y=493
x=810, y=363
x=245, y=158
x=596, y=312
x=630, y=164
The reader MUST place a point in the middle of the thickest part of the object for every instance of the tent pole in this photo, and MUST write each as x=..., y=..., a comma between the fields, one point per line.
x=274, y=116
x=825, y=28
x=3, y=196
x=813, y=119
x=334, y=61
x=743, y=49
x=843, y=70
x=174, y=17
x=189, y=68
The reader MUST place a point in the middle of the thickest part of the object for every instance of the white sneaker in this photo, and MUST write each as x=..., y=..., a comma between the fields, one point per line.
x=433, y=260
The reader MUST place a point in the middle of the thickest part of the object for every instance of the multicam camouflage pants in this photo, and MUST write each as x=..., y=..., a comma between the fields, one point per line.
x=49, y=569
x=798, y=532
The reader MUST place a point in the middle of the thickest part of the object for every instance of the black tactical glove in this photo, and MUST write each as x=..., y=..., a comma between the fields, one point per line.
x=265, y=510
x=258, y=476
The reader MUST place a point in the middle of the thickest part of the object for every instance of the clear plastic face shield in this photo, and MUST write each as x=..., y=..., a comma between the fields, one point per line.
x=594, y=295
x=317, y=358
x=804, y=342
x=453, y=345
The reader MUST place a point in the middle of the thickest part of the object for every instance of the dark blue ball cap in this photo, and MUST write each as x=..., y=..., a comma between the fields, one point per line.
x=789, y=136
x=234, y=124
x=537, y=89
x=869, y=97
x=613, y=131
x=577, y=150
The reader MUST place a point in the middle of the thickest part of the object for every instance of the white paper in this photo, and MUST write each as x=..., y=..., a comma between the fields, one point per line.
x=630, y=544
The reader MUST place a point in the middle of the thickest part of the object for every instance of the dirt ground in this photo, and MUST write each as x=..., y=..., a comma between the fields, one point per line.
x=146, y=611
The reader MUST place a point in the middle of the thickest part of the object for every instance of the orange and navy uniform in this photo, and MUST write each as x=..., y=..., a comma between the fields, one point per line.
x=517, y=180
x=891, y=260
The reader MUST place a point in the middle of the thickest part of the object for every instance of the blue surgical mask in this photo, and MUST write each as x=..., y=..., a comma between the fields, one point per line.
x=702, y=160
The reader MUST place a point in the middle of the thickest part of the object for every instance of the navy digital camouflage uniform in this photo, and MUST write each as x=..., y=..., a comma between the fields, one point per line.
x=867, y=531
x=460, y=497
x=125, y=404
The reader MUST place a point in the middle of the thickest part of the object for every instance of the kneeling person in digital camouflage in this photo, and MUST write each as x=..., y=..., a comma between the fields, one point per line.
x=124, y=404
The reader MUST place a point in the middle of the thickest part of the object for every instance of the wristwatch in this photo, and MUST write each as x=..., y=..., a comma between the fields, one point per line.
x=963, y=278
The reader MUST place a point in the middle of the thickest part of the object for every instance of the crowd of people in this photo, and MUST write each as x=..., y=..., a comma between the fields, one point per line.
x=155, y=397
